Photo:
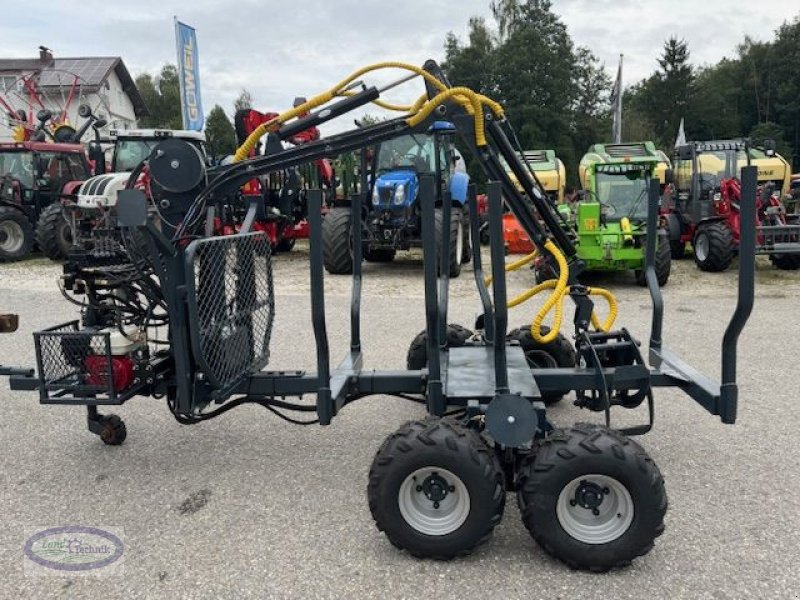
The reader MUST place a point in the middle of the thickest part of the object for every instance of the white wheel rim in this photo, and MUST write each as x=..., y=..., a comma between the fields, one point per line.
x=11, y=236
x=701, y=246
x=595, y=509
x=434, y=501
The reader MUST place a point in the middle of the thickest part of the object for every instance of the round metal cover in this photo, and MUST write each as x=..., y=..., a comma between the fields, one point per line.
x=176, y=165
x=511, y=420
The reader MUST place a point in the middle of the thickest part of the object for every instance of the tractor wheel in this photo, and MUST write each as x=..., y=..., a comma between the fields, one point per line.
x=456, y=250
x=16, y=234
x=379, y=255
x=417, y=357
x=677, y=249
x=285, y=245
x=786, y=262
x=713, y=247
x=592, y=498
x=337, y=248
x=484, y=230
x=435, y=489
x=558, y=353
x=466, y=256
x=663, y=263
x=54, y=233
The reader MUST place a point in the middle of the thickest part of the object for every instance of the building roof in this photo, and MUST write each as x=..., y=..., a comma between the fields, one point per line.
x=92, y=72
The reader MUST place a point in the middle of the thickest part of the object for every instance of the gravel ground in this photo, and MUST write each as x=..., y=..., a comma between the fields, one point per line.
x=247, y=506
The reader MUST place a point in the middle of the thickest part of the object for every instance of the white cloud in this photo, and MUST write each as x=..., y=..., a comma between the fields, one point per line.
x=279, y=50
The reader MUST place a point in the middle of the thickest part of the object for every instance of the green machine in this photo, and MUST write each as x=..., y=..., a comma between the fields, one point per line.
x=609, y=215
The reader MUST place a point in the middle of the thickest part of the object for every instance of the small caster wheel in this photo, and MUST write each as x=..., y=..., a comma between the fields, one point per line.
x=112, y=430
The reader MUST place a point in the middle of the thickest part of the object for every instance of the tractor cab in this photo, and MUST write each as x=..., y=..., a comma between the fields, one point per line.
x=702, y=170
x=38, y=168
x=402, y=160
x=131, y=146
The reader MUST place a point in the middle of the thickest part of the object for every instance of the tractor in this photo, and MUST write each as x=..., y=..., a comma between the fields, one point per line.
x=706, y=205
x=34, y=177
x=610, y=215
x=393, y=219
x=93, y=208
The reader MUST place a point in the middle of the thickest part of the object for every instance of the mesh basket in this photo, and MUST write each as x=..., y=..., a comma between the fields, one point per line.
x=231, y=306
x=76, y=366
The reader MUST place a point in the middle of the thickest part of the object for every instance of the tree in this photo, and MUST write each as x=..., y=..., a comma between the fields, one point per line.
x=162, y=97
x=245, y=100
x=220, y=135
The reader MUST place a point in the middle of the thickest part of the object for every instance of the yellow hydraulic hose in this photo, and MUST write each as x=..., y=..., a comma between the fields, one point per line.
x=513, y=266
x=556, y=298
x=466, y=97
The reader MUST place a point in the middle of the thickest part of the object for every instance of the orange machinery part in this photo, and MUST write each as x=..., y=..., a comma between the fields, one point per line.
x=514, y=236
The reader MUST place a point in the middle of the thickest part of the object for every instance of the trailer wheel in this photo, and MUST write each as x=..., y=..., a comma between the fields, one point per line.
x=337, y=251
x=592, y=498
x=663, y=263
x=558, y=353
x=53, y=232
x=786, y=262
x=379, y=255
x=456, y=250
x=435, y=489
x=417, y=357
x=713, y=247
x=113, y=431
x=16, y=234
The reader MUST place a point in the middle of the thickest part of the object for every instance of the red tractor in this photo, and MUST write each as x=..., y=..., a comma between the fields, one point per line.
x=704, y=208
x=283, y=214
x=34, y=177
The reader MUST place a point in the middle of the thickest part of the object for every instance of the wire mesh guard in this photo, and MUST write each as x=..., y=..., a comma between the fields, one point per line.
x=76, y=367
x=231, y=307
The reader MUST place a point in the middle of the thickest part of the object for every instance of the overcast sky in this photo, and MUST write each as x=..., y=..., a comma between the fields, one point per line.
x=279, y=49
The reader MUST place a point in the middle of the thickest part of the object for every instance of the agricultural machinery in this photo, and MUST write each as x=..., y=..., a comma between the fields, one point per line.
x=393, y=219
x=610, y=217
x=549, y=172
x=281, y=197
x=90, y=216
x=188, y=316
x=706, y=208
x=34, y=178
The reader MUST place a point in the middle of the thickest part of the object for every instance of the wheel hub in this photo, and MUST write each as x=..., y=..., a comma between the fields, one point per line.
x=435, y=488
x=589, y=495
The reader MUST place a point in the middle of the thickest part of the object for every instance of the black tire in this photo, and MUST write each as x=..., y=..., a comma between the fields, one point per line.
x=604, y=458
x=466, y=256
x=417, y=357
x=113, y=431
x=663, y=263
x=285, y=245
x=16, y=234
x=786, y=262
x=456, y=239
x=379, y=255
x=471, y=470
x=677, y=249
x=337, y=248
x=483, y=231
x=713, y=247
x=556, y=354
x=54, y=233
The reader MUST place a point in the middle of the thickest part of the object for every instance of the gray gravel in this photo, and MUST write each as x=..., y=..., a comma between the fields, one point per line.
x=248, y=506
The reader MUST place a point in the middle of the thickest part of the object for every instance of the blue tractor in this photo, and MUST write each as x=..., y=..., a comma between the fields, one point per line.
x=392, y=220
